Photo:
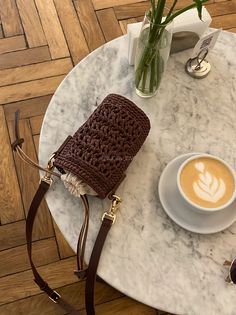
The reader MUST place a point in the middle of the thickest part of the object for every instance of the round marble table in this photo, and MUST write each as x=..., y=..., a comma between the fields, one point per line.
x=147, y=256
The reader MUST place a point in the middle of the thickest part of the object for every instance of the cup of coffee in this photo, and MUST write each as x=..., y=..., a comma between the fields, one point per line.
x=206, y=183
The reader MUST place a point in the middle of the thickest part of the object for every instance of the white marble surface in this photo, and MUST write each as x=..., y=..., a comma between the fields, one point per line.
x=147, y=256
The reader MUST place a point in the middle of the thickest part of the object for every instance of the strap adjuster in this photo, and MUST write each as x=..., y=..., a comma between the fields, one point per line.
x=55, y=297
x=52, y=294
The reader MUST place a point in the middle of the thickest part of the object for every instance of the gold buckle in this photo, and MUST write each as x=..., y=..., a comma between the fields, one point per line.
x=111, y=214
x=55, y=297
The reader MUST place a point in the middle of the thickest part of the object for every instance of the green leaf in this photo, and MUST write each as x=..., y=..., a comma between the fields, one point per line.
x=199, y=8
x=159, y=11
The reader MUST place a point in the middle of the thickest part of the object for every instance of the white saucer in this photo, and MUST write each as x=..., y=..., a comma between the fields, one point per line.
x=179, y=212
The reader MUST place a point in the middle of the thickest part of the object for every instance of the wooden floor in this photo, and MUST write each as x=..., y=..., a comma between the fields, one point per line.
x=40, y=42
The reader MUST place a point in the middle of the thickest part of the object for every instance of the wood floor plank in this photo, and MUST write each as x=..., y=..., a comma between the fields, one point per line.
x=64, y=248
x=222, y=8
x=221, y=0
x=16, y=259
x=73, y=32
x=32, y=107
x=124, y=23
x=52, y=29
x=129, y=11
x=36, y=145
x=103, y=4
x=1, y=31
x=11, y=208
x=10, y=18
x=12, y=44
x=21, y=285
x=224, y=21
x=109, y=24
x=31, y=89
x=183, y=3
x=24, y=57
x=233, y=30
x=139, y=18
x=12, y=235
x=29, y=181
x=31, y=23
x=36, y=71
x=137, y=9
x=73, y=293
x=123, y=306
x=36, y=123
x=89, y=23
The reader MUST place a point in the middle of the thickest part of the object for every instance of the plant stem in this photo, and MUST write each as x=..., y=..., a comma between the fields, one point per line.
x=152, y=75
x=142, y=65
x=147, y=56
x=153, y=9
x=144, y=79
x=155, y=66
x=171, y=9
x=159, y=10
x=160, y=68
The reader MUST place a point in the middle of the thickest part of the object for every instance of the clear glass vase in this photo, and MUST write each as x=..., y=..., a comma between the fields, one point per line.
x=152, y=53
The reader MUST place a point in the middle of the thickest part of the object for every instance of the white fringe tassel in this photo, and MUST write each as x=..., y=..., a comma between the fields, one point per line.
x=76, y=186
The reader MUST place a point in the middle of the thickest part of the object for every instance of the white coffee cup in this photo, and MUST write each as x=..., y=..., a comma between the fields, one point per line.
x=208, y=188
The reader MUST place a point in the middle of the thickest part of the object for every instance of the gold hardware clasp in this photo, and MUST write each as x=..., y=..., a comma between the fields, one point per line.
x=50, y=163
x=47, y=178
x=111, y=214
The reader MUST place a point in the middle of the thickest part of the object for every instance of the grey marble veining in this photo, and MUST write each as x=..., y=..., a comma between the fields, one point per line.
x=147, y=256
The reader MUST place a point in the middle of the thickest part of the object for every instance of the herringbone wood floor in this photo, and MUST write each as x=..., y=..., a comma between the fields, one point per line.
x=40, y=42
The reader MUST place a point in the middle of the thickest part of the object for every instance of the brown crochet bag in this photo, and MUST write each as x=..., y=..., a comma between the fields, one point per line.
x=93, y=161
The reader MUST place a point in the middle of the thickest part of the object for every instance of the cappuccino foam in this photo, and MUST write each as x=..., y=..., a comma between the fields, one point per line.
x=207, y=182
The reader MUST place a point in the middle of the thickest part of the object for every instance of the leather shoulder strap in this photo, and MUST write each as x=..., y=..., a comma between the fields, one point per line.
x=108, y=219
x=43, y=285
x=93, y=265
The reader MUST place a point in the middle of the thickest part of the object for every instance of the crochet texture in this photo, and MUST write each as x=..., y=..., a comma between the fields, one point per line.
x=103, y=147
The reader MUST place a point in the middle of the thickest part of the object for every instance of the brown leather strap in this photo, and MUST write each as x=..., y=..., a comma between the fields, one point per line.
x=81, y=272
x=93, y=264
x=53, y=295
x=18, y=141
x=94, y=260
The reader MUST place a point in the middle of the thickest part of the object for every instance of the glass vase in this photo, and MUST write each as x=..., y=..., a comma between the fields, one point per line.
x=152, y=53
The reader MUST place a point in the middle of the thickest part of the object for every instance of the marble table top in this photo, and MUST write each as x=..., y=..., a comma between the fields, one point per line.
x=147, y=256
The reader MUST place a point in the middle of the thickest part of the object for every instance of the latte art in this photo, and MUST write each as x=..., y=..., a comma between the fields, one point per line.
x=207, y=182
x=208, y=187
